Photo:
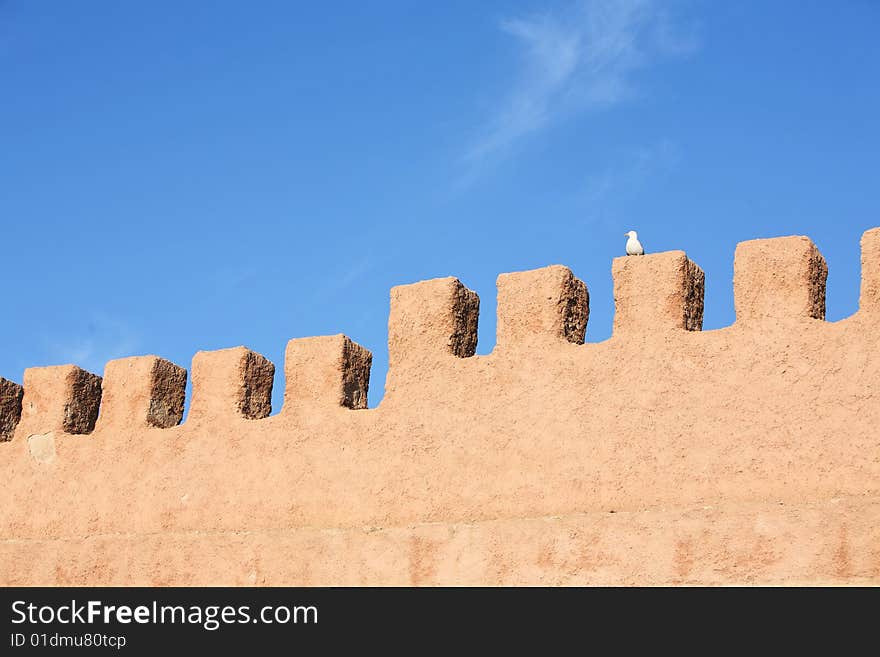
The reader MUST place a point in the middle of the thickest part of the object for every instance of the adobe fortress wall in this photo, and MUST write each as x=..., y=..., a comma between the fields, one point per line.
x=665, y=454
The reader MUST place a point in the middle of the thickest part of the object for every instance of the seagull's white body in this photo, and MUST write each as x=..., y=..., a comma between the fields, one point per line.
x=633, y=246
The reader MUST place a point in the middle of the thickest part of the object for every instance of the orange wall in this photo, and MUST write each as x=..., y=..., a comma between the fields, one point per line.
x=749, y=454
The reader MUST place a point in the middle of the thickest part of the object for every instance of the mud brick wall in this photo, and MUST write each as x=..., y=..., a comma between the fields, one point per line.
x=665, y=454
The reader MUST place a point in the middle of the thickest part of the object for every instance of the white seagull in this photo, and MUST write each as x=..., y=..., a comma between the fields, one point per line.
x=633, y=246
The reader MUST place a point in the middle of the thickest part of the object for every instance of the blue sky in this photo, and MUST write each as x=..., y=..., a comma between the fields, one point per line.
x=177, y=176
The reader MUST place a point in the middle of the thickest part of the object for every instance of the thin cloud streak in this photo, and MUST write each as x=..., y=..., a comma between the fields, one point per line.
x=577, y=60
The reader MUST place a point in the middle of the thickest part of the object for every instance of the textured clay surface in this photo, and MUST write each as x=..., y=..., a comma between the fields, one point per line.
x=657, y=292
x=575, y=301
x=258, y=374
x=10, y=408
x=870, y=291
x=355, y=375
x=664, y=455
x=549, y=304
x=167, y=394
x=81, y=410
x=694, y=290
x=144, y=391
x=233, y=381
x=466, y=315
x=778, y=278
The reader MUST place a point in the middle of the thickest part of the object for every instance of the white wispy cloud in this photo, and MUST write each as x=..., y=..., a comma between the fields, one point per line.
x=582, y=57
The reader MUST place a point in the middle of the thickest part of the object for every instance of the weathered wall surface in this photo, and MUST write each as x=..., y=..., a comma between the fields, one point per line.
x=749, y=454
